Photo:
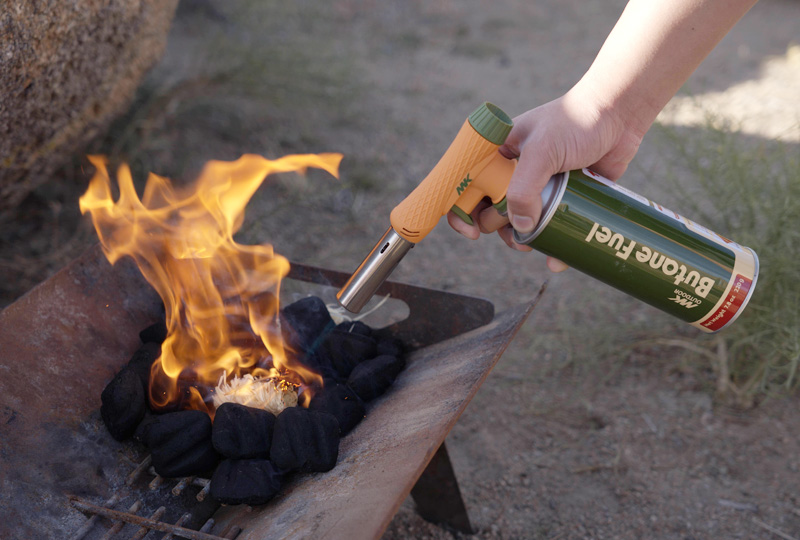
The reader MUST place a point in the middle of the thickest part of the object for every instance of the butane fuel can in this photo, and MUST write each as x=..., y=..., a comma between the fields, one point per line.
x=631, y=243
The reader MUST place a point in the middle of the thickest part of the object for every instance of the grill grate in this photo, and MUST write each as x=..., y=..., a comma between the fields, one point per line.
x=142, y=525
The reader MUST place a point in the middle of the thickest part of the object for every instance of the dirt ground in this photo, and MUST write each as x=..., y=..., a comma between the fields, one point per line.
x=580, y=432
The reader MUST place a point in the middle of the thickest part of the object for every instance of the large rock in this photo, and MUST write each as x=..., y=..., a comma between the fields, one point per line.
x=67, y=67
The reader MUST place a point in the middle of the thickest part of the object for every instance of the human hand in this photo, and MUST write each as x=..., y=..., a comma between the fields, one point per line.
x=601, y=121
x=574, y=131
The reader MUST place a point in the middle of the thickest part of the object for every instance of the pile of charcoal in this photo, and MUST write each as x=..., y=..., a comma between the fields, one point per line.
x=249, y=452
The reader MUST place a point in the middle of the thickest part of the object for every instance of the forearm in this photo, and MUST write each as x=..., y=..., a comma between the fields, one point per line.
x=653, y=49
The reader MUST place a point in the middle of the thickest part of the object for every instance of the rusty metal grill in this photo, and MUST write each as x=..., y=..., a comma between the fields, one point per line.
x=63, y=476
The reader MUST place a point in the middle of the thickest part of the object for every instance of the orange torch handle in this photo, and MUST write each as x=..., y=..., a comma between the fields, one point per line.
x=469, y=170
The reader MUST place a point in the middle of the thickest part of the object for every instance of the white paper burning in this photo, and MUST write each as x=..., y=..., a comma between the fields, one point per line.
x=268, y=394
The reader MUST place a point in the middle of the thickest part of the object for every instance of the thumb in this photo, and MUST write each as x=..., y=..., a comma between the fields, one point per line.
x=524, y=194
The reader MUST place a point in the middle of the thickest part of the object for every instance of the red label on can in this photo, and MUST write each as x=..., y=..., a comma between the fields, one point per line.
x=741, y=286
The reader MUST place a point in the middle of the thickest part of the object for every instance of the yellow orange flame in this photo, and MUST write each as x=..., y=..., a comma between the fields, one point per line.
x=221, y=297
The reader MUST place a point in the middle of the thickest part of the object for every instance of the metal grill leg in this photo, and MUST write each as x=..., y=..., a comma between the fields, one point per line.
x=437, y=495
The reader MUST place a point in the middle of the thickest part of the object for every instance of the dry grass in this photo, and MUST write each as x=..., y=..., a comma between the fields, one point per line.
x=749, y=191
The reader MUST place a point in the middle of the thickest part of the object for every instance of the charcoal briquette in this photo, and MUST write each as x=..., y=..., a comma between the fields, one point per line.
x=180, y=443
x=304, y=323
x=340, y=401
x=305, y=440
x=346, y=347
x=319, y=363
x=372, y=378
x=241, y=432
x=356, y=327
x=123, y=404
x=142, y=360
x=245, y=481
x=390, y=346
x=155, y=333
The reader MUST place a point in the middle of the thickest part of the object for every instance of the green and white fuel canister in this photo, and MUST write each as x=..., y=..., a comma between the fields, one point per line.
x=645, y=250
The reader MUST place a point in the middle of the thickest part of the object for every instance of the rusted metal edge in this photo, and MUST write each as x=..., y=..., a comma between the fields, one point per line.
x=518, y=314
x=144, y=522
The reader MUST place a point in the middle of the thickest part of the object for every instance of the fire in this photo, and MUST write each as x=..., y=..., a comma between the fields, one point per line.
x=221, y=297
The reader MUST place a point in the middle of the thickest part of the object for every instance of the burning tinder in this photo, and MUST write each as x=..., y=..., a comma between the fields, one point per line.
x=268, y=394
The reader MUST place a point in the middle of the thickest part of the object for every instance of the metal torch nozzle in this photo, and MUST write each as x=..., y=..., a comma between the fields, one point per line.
x=373, y=271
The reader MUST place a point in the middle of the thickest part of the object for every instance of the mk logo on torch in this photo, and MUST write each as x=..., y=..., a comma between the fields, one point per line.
x=463, y=185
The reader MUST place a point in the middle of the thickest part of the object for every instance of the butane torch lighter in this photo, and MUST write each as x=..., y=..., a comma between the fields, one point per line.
x=592, y=224
x=469, y=170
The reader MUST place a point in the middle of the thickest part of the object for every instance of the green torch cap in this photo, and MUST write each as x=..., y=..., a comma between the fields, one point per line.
x=491, y=123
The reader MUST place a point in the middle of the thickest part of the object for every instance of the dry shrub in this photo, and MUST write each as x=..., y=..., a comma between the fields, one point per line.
x=747, y=190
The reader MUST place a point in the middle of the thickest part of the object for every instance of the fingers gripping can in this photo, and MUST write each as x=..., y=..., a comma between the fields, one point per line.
x=645, y=250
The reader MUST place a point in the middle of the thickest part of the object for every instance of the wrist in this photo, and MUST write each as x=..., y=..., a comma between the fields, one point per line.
x=616, y=128
x=616, y=103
